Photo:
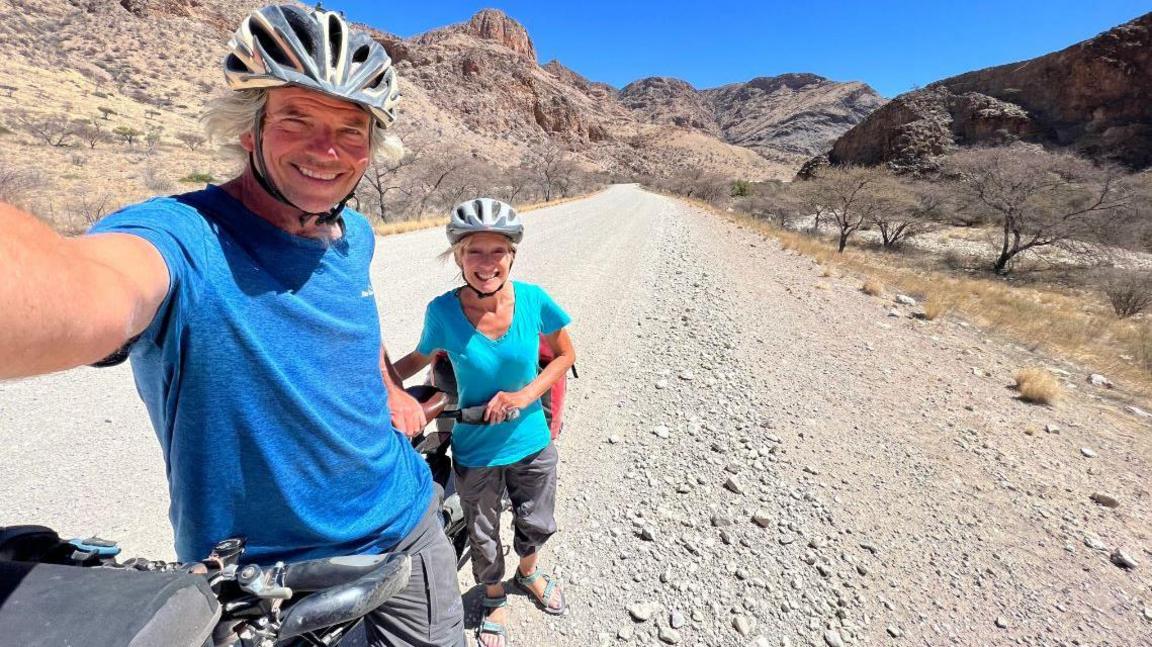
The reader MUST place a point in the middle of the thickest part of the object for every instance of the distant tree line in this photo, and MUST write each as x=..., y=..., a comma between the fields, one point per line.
x=1027, y=198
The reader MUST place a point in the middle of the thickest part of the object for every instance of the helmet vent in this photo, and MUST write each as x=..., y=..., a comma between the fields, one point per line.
x=335, y=39
x=361, y=54
x=304, y=31
x=271, y=47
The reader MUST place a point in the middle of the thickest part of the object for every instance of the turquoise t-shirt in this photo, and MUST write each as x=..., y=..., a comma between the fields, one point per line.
x=484, y=367
x=261, y=374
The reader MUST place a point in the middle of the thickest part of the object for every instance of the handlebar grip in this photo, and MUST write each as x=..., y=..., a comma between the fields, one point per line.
x=473, y=415
x=345, y=602
x=431, y=399
x=320, y=574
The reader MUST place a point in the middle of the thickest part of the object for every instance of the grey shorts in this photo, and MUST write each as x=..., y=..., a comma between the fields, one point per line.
x=531, y=485
x=428, y=613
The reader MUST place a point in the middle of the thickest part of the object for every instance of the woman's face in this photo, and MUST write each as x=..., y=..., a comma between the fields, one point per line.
x=485, y=261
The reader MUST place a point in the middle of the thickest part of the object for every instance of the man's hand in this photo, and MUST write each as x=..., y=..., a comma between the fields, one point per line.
x=407, y=414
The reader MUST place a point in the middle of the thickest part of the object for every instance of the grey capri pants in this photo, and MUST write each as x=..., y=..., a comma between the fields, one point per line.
x=531, y=485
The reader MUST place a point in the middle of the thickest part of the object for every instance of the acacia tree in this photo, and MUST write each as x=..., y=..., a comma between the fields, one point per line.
x=128, y=134
x=847, y=196
x=90, y=132
x=909, y=208
x=552, y=168
x=191, y=140
x=1039, y=199
x=54, y=130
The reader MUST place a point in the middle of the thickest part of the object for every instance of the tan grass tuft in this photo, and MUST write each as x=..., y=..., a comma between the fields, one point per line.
x=1037, y=385
x=872, y=287
x=937, y=306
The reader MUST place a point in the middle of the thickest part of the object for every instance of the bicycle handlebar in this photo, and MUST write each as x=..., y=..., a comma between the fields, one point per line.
x=334, y=605
x=320, y=574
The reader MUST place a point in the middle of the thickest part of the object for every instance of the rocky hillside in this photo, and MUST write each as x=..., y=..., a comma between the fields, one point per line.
x=780, y=117
x=473, y=90
x=1094, y=97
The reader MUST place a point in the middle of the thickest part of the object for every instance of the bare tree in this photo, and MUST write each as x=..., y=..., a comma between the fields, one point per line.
x=1131, y=227
x=90, y=132
x=551, y=167
x=191, y=140
x=54, y=130
x=853, y=195
x=434, y=175
x=909, y=208
x=775, y=202
x=1040, y=199
x=93, y=207
x=513, y=184
x=1129, y=292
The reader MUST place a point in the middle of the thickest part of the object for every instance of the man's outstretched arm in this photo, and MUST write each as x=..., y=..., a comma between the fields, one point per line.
x=67, y=302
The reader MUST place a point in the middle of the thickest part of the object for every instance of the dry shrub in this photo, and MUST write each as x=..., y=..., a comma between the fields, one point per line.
x=1130, y=293
x=826, y=272
x=872, y=287
x=1038, y=386
x=937, y=306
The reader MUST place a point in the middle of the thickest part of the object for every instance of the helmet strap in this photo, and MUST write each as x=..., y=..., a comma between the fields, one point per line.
x=256, y=162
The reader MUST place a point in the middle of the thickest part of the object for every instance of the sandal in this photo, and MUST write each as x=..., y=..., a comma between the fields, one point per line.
x=489, y=627
x=543, y=601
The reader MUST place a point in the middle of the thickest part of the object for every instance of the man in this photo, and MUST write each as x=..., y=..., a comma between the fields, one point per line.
x=258, y=354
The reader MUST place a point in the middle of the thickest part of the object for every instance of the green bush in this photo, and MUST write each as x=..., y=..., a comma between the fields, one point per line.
x=198, y=178
x=740, y=189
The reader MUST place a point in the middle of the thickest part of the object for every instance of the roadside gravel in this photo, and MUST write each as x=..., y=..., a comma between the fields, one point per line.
x=755, y=454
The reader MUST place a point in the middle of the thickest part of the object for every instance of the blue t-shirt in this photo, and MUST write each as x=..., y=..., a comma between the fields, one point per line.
x=261, y=376
x=484, y=366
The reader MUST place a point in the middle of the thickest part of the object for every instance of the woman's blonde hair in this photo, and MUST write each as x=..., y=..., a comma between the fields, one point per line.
x=232, y=114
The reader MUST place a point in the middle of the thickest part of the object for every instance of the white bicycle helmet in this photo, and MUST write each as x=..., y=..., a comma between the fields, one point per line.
x=286, y=45
x=484, y=215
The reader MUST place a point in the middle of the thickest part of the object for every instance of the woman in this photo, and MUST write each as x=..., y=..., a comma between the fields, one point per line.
x=490, y=328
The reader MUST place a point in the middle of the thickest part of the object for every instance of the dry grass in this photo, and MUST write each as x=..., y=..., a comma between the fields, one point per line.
x=1038, y=386
x=872, y=287
x=936, y=306
x=1060, y=322
x=391, y=228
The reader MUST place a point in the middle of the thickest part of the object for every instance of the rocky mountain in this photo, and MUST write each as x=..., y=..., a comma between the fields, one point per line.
x=1094, y=97
x=666, y=100
x=473, y=91
x=135, y=76
x=781, y=117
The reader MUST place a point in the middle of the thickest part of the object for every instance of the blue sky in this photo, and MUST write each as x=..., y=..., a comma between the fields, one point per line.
x=893, y=45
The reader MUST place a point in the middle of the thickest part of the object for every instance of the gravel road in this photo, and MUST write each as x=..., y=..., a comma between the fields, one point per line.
x=755, y=455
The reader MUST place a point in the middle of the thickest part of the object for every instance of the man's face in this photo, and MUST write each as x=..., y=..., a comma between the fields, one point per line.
x=315, y=147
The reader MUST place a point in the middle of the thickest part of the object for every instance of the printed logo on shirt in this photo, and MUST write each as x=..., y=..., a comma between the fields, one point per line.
x=367, y=293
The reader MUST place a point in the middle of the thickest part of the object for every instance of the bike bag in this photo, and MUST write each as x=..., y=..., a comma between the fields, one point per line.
x=47, y=605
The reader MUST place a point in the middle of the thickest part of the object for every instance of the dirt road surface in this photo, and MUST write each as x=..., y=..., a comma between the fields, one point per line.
x=755, y=455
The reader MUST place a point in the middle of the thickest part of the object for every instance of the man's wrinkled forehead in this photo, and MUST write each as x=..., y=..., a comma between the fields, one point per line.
x=299, y=102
